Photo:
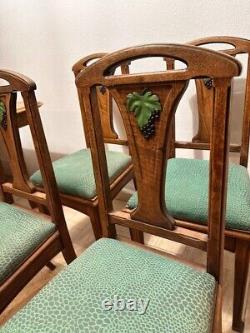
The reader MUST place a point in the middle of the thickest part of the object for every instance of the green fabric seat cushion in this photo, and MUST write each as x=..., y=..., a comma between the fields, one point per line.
x=187, y=193
x=181, y=299
x=21, y=233
x=75, y=176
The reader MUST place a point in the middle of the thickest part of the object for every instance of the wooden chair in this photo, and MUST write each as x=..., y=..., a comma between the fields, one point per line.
x=74, y=173
x=28, y=241
x=191, y=211
x=179, y=298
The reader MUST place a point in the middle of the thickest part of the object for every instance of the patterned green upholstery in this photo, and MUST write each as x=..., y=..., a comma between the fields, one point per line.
x=21, y=233
x=74, y=173
x=187, y=193
x=181, y=299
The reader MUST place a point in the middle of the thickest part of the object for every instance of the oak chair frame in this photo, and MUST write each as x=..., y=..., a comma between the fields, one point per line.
x=20, y=186
x=151, y=213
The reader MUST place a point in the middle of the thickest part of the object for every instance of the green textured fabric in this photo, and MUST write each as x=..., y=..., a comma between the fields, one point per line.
x=75, y=176
x=187, y=193
x=21, y=233
x=181, y=299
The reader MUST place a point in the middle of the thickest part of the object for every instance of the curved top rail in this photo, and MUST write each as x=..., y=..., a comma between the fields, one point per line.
x=240, y=45
x=200, y=62
x=17, y=81
x=83, y=62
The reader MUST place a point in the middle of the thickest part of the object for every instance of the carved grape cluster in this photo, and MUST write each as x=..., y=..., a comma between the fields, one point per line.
x=208, y=83
x=149, y=129
x=146, y=107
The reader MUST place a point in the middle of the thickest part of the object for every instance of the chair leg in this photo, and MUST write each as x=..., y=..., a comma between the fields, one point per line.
x=242, y=254
x=136, y=236
x=68, y=249
x=93, y=214
x=69, y=252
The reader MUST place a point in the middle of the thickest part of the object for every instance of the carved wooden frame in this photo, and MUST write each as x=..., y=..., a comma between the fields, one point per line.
x=150, y=158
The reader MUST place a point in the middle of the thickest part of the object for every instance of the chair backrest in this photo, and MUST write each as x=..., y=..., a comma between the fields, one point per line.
x=20, y=185
x=142, y=98
x=205, y=95
x=104, y=100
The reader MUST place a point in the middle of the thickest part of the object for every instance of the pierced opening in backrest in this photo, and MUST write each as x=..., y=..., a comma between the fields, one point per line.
x=150, y=65
x=179, y=64
x=146, y=64
x=219, y=46
x=91, y=61
x=124, y=68
x=3, y=83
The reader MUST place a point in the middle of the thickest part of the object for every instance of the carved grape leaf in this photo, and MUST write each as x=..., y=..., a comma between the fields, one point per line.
x=143, y=105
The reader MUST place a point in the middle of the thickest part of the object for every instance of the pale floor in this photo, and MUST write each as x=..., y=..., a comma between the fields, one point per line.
x=82, y=237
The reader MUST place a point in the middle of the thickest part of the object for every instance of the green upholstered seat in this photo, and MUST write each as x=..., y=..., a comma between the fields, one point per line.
x=187, y=193
x=20, y=234
x=74, y=173
x=180, y=298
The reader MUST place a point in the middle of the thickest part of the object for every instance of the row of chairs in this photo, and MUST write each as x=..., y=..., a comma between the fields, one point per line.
x=109, y=267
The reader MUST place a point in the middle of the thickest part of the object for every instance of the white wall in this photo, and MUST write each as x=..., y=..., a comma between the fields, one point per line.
x=42, y=39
